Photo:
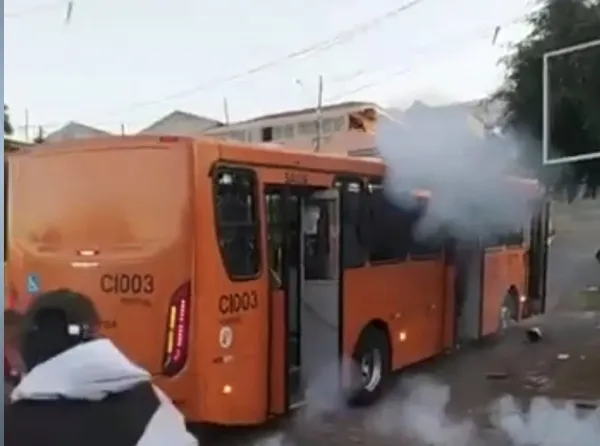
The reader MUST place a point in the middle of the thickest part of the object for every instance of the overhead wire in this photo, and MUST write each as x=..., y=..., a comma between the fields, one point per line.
x=492, y=31
x=37, y=9
x=340, y=38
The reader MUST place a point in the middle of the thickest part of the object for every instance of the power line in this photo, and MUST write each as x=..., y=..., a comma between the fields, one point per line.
x=340, y=38
x=483, y=33
x=38, y=9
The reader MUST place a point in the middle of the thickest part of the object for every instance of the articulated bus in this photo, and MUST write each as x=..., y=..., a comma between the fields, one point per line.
x=236, y=273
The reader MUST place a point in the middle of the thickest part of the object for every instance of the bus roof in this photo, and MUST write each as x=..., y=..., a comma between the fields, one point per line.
x=249, y=153
x=286, y=157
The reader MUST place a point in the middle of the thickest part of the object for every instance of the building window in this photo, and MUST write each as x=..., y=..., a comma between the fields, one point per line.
x=238, y=135
x=283, y=132
x=307, y=128
x=237, y=222
x=267, y=134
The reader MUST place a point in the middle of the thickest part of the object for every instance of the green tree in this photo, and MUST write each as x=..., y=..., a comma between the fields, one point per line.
x=574, y=86
x=8, y=128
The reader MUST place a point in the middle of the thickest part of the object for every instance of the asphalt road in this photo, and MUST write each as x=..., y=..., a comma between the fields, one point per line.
x=571, y=265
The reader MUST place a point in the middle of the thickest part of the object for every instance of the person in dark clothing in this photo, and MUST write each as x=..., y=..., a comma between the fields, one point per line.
x=79, y=389
x=13, y=365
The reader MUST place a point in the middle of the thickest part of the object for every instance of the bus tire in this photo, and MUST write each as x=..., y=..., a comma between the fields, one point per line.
x=372, y=360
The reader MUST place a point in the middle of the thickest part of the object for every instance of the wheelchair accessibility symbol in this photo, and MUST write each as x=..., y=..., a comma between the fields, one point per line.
x=33, y=284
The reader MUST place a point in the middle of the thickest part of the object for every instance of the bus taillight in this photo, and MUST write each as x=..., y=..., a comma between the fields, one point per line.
x=178, y=331
x=13, y=298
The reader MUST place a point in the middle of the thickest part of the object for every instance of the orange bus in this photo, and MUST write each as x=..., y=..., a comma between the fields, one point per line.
x=236, y=274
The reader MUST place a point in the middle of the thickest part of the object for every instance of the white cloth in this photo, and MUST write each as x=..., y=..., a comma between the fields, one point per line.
x=92, y=371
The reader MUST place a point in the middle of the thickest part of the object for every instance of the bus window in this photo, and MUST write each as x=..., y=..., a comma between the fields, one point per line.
x=317, y=248
x=237, y=222
x=392, y=227
x=354, y=243
x=428, y=242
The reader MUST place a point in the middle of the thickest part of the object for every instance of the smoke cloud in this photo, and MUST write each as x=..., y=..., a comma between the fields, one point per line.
x=444, y=150
x=419, y=414
x=424, y=416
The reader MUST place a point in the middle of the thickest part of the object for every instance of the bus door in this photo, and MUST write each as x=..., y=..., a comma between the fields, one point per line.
x=320, y=294
x=469, y=264
x=283, y=237
x=538, y=259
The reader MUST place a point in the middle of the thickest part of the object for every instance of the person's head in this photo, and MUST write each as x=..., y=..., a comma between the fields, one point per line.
x=12, y=326
x=55, y=322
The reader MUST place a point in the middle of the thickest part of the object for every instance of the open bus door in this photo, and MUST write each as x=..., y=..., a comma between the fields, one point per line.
x=302, y=234
x=538, y=259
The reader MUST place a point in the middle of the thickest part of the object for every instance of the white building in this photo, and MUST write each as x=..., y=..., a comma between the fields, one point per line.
x=299, y=128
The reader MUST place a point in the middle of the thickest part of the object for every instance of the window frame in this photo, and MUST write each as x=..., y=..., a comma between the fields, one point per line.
x=256, y=225
x=341, y=183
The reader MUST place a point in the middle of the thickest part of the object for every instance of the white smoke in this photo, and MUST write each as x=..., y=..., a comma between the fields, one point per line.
x=423, y=415
x=419, y=414
x=445, y=151
x=546, y=423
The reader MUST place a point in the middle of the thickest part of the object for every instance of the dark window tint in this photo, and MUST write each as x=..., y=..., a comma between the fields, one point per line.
x=354, y=224
x=391, y=227
x=237, y=223
x=428, y=241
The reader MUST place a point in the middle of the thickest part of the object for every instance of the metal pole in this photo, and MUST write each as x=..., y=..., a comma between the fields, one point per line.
x=226, y=111
x=26, y=125
x=546, y=108
x=319, y=112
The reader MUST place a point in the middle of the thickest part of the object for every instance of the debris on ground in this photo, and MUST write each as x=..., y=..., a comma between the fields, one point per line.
x=534, y=334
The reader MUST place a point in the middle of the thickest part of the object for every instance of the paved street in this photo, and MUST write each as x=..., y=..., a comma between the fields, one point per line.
x=461, y=399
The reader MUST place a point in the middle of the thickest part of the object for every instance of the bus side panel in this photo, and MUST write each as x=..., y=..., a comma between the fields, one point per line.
x=400, y=295
x=233, y=379
x=494, y=289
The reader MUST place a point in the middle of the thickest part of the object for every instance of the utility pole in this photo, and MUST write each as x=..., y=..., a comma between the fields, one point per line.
x=319, y=115
x=226, y=111
x=26, y=129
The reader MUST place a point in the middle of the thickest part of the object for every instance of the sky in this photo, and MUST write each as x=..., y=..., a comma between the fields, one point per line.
x=130, y=62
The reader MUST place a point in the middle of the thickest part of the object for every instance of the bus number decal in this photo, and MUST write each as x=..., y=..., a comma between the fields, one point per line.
x=238, y=302
x=127, y=283
x=295, y=178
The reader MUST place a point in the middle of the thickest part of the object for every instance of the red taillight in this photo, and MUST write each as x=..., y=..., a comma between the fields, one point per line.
x=178, y=331
x=13, y=298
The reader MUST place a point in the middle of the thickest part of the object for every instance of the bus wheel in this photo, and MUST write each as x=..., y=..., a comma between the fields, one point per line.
x=372, y=359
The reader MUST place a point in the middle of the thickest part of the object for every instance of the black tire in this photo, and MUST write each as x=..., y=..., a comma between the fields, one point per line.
x=372, y=349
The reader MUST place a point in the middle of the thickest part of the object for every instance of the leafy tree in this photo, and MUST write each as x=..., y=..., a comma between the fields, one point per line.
x=8, y=128
x=574, y=87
